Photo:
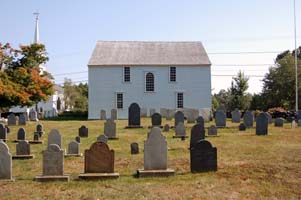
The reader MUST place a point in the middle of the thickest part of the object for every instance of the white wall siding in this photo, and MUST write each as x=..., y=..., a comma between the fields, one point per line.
x=105, y=82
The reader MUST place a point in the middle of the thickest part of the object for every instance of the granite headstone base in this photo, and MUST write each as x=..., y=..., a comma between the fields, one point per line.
x=155, y=173
x=22, y=157
x=63, y=178
x=73, y=155
x=98, y=176
x=134, y=126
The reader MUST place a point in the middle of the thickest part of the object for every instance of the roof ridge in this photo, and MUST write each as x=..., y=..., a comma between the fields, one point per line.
x=150, y=41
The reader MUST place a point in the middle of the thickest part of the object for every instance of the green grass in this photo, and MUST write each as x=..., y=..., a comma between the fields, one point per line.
x=249, y=166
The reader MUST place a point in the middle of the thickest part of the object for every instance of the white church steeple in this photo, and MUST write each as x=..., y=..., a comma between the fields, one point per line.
x=36, y=32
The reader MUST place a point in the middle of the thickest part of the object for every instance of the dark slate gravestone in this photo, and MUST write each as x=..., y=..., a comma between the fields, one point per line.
x=235, y=116
x=3, y=132
x=83, y=131
x=156, y=119
x=39, y=129
x=203, y=157
x=21, y=134
x=134, y=116
x=166, y=128
x=279, y=122
x=134, y=148
x=212, y=130
x=11, y=120
x=197, y=133
x=200, y=120
x=248, y=119
x=220, y=118
x=36, y=137
x=242, y=127
x=262, y=123
x=77, y=139
x=22, y=120
x=179, y=117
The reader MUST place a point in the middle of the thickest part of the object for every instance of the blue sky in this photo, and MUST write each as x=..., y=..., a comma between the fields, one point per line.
x=70, y=29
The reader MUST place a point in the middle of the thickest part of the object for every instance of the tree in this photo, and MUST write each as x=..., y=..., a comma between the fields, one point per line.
x=20, y=80
x=75, y=96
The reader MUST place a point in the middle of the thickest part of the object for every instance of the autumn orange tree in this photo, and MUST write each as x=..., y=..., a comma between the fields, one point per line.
x=21, y=82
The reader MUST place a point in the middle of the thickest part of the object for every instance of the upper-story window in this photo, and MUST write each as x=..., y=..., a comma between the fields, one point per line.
x=172, y=74
x=149, y=82
x=127, y=74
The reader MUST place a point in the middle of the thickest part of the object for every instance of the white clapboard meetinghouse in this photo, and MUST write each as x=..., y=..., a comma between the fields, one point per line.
x=171, y=75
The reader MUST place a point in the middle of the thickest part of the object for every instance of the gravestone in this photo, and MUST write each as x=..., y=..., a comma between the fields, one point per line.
x=248, y=119
x=190, y=115
x=166, y=128
x=236, y=116
x=39, y=129
x=143, y=112
x=22, y=120
x=110, y=129
x=114, y=114
x=294, y=124
x=203, y=157
x=55, y=137
x=169, y=114
x=155, y=155
x=212, y=130
x=77, y=139
x=242, y=127
x=73, y=149
x=197, y=133
x=83, y=131
x=200, y=120
x=152, y=111
x=220, y=118
x=33, y=116
x=3, y=132
x=279, y=122
x=134, y=148
x=102, y=138
x=156, y=119
x=206, y=114
x=179, y=117
x=299, y=123
x=180, y=130
x=103, y=115
x=11, y=120
x=298, y=115
x=5, y=163
x=36, y=139
x=53, y=164
x=134, y=116
x=21, y=134
x=23, y=150
x=99, y=162
x=262, y=123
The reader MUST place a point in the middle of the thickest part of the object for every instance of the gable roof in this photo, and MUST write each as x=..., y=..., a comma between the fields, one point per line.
x=148, y=53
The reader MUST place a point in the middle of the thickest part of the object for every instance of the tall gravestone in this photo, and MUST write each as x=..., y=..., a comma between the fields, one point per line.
x=262, y=123
x=53, y=164
x=248, y=119
x=155, y=155
x=236, y=116
x=5, y=163
x=179, y=117
x=11, y=120
x=110, y=129
x=156, y=119
x=73, y=149
x=99, y=162
x=197, y=133
x=55, y=137
x=83, y=131
x=23, y=150
x=114, y=114
x=220, y=118
x=203, y=157
x=3, y=132
x=134, y=119
x=103, y=115
x=22, y=120
x=180, y=130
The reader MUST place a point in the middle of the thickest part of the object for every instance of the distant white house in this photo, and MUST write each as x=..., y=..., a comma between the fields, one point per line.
x=171, y=75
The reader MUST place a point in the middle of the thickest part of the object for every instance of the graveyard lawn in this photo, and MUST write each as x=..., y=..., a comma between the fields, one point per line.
x=249, y=166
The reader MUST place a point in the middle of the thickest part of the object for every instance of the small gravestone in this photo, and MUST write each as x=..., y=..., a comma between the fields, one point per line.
x=180, y=130
x=134, y=116
x=53, y=164
x=77, y=139
x=143, y=112
x=103, y=115
x=134, y=148
x=212, y=130
x=236, y=116
x=155, y=156
x=83, y=131
x=5, y=163
x=21, y=135
x=114, y=114
x=152, y=111
x=99, y=162
x=22, y=120
x=248, y=119
x=3, y=133
x=36, y=139
x=39, y=129
x=279, y=122
x=55, y=137
x=242, y=127
x=197, y=133
x=23, y=150
x=110, y=129
x=33, y=116
x=11, y=120
x=166, y=128
x=203, y=157
x=200, y=120
x=179, y=117
x=262, y=123
x=294, y=124
x=156, y=119
x=220, y=118
x=102, y=138
x=73, y=149
x=169, y=114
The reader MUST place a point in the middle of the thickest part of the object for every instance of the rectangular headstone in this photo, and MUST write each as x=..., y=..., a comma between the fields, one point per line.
x=83, y=131
x=5, y=162
x=53, y=161
x=103, y=115
x=11, y=120
x=110, y=129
